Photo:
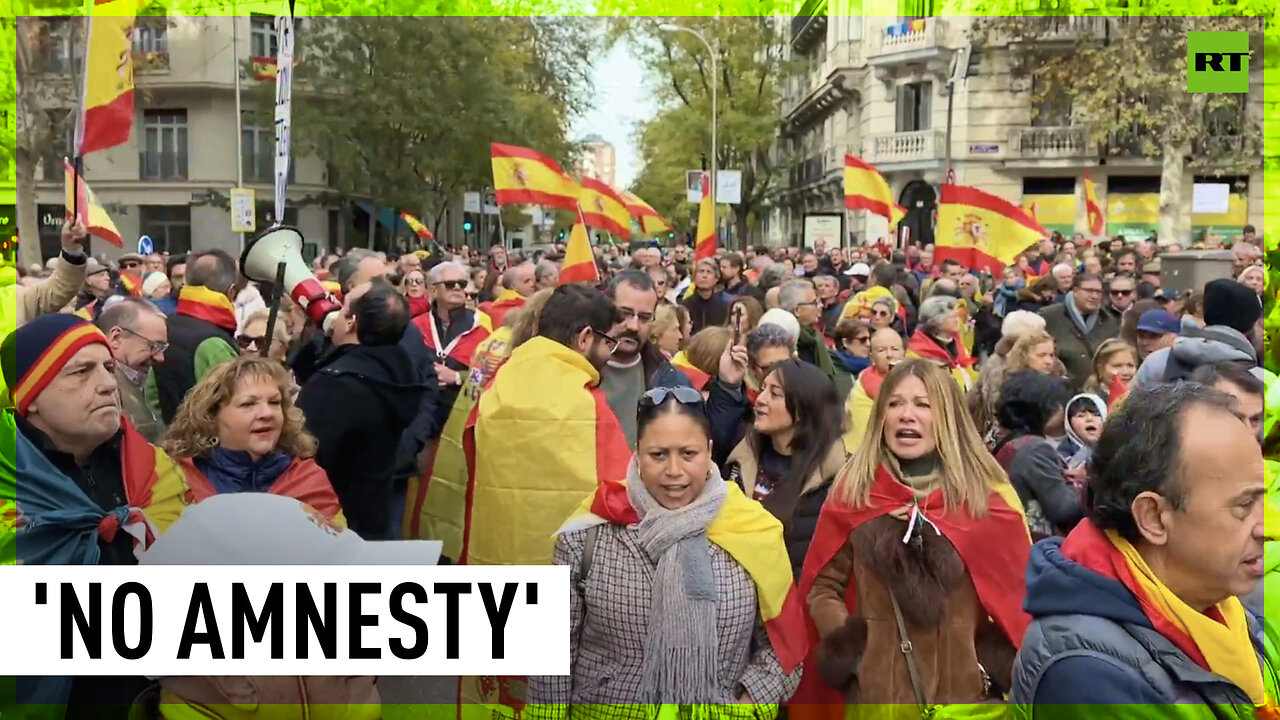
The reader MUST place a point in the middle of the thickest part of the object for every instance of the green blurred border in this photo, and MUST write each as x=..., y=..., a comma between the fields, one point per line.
x=996, y=8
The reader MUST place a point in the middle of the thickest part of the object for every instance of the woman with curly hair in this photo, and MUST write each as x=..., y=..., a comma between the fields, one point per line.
x=239, y=431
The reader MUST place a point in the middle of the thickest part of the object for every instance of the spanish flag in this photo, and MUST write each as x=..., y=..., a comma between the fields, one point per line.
x=527, y=177
x=1097, y=222
x=680, y=361
x=982, y=231
x=651, y=223
x=417, y=227
x=264, y=68
x=1117, y=391
x=106, y=106
x=1031, y=212
x=995, y=550
x=750, y=534
x=579, y=261
x=88, y=210
x=601, y=207
x=866, y=189
x=705, y=247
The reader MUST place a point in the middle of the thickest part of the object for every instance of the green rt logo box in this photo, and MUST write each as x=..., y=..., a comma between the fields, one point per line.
x=1217, y=61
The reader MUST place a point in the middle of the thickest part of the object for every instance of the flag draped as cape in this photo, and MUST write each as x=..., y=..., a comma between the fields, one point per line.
x=995, y=550
x=303, y=480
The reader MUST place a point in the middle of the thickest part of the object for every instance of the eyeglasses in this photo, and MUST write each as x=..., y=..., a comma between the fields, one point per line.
x=472, y=295
x=129, y=265
x=414, y=281
x=608, y=339
x=1121, y=293
x=881, y=313
x=1090, y=291
x=453, y=284
x=154, y=346
x=625, y=314
x=250, y=341
x=863, y=339
x=659, y=395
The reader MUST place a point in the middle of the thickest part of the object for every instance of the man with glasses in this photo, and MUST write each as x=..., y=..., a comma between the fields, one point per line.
x=636, y=364
x=800, y=298
x=138, y=336
x=450, y=331
x=1121, y=292
x=1079, y=327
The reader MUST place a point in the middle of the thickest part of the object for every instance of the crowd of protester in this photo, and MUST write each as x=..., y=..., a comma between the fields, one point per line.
x=813, y=477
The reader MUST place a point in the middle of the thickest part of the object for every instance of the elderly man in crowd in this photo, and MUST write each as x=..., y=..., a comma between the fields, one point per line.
x=138, y=335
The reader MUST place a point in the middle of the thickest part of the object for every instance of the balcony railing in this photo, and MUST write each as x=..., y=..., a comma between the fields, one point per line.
x=1053, y=143
x=908, y=147
x=907, y=40
x=153, y=61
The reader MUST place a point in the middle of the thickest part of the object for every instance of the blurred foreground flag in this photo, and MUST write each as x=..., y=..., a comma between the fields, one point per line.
x=527, y=177
x=88, y=210
x=106, y=105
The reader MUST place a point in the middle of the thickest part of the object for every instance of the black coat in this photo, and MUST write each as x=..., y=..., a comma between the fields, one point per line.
x=357, y=405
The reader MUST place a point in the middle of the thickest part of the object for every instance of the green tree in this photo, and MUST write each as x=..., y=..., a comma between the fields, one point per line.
x=751, y=64
x=1128, y=85
x=403, y=109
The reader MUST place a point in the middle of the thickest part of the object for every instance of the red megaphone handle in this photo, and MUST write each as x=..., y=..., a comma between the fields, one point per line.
x=317, y=303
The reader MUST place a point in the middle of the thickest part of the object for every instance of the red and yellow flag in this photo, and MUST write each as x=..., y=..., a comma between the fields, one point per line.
x=705, y=246
x=866, y=189
x=88, y=210
x=601, y=207
x=527, y=177
x=417, y=227
x=651, y=223
x=264, y=67
x=106, y=104
x=745, y=530
x=982, y=231
x=1097, y=221
x=579, y=261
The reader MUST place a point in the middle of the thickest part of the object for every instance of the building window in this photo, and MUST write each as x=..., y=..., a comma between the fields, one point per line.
x=168, y=226
x=258, y=153
x=61, y=46
x=164, y=149
x=151, y=36
x=914, y=106
x=263, y=41
x=266, y=215
x=1052, y=109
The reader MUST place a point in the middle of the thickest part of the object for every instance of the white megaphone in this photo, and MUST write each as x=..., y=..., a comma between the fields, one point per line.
x=283, y=244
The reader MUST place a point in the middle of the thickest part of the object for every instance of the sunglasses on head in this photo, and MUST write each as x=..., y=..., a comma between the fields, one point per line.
x=683, y=395
x=453, y=284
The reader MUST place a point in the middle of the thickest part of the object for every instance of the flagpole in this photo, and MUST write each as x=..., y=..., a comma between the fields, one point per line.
x=235, y=63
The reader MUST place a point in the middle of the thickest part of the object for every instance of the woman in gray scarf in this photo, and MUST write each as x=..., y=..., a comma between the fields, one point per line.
x=674, y=574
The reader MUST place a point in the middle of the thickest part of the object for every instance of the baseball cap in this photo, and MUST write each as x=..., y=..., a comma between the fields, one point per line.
x=861, y=269
x=265, y=529
x=1159, y=322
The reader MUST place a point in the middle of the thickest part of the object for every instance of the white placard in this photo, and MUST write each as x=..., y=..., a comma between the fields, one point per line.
x=824, y=228
x=284, y=111
x=1210, y=198
x=471, y=202
x=728, y=187
x=418, y=620
x=243, y=217
x=490, y=209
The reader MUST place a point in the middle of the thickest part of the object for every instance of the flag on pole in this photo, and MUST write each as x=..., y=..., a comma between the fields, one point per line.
x=284, y=109
x=982, y=231
x=866, y=189
x=1031, y=212
x=88, y=210
x=1097, y=222
x=579, y=261
x=106, y=102
x=705, y=246
x=601, y=207
x=527, y=177
x=417, y=227
x=651, y=223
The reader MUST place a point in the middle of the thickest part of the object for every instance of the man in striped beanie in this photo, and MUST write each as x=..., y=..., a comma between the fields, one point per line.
x=94, y=491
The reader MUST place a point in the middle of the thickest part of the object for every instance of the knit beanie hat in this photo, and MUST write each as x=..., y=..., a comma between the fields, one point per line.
x=153, y=282
x=1227, y=302
x=35, y=353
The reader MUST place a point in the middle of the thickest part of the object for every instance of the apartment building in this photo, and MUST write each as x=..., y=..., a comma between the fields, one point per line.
x=172, y=180
x=877, y=87
x=598, y=160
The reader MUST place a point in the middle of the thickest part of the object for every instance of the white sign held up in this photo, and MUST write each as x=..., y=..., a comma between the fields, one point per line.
x=284, y=114
x=243, y=219
x=471, y=202
x=728, y=187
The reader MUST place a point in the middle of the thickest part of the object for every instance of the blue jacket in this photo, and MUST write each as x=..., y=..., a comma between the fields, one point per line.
x=1091, y=645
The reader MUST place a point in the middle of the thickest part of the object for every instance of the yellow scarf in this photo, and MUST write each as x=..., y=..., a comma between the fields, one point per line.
x=1227, y=648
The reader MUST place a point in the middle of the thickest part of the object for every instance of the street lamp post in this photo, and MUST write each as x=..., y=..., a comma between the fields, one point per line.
x=715, y=78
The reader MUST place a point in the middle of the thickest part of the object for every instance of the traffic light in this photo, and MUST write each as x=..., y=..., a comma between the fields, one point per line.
x=466, y=226
x=560, y=236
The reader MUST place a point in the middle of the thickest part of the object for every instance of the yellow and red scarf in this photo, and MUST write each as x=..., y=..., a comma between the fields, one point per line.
x=213, y=307
x=1217, y=640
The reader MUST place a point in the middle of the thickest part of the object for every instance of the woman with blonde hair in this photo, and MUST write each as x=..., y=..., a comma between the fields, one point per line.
x=700, y=359
x=921, y=544
x=239, y=431
x=1114, y=366
x=666, y=331
x=1031, y=350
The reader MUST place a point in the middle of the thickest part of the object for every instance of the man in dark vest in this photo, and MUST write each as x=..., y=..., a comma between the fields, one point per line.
x=201, y=331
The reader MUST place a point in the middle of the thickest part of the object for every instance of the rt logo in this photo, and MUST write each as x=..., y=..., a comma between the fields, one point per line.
x=1218, y=61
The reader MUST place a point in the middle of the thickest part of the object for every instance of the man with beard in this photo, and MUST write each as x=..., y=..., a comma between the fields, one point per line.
x=731, y=277
x=636, y=365
x=707, y=307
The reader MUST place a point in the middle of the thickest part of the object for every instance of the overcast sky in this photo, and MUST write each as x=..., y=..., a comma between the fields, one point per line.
x=622, y=101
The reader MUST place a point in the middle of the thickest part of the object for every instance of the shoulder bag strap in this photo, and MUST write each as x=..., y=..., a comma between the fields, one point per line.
x=588, y=553
x=908, y=653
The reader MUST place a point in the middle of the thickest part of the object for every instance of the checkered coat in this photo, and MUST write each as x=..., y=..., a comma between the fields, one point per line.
x=609, y=615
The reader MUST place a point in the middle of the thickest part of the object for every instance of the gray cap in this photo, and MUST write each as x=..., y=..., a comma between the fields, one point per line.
x=93, y=267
